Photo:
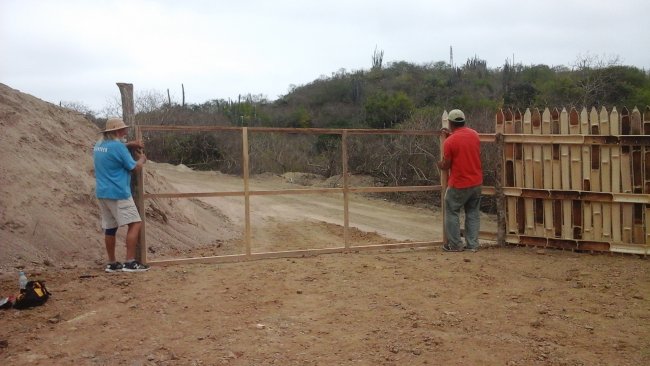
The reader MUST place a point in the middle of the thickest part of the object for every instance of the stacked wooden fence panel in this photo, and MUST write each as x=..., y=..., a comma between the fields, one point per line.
x=577, y=178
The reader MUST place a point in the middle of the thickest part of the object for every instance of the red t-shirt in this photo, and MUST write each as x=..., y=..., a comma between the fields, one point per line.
x=463, y=149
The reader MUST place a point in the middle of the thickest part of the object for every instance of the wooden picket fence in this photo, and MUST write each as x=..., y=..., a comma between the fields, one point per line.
x=577, y=179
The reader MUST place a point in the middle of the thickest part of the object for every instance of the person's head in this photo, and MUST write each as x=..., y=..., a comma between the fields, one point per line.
x=115, y=129
x=456, y=118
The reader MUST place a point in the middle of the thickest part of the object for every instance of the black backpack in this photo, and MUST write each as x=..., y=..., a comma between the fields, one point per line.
x=34, y=294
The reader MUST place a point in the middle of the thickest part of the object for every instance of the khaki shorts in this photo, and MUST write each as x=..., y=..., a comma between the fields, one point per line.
x=116, y=213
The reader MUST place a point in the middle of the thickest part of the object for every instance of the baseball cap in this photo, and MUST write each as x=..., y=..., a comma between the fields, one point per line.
x=456, y=115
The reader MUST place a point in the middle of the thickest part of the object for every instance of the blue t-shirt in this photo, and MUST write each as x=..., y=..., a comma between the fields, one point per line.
x=113, y=165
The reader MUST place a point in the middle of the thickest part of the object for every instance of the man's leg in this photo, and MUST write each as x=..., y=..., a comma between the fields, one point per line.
x=473, y=218
x=132, y=236
x=453, y=204
x=110, y=246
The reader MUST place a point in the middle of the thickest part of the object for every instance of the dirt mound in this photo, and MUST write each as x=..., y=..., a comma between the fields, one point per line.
x=48, y=211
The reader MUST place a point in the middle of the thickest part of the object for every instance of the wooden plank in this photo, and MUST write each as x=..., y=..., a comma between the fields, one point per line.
x=519, y=171
x=529, y=210
x=638, y=230
x=346, y=188
x=646, y=186
x=298, y=191
x=292, y=253
x=499, y=121
x=565, y=161
x=596, y=208
x=615, y=152
x=306, y=131
x=587, y=214
x=247, y=199
x=443, y=174
x=547, y=169
x=509, y=173
x=627, y=210
x=538, y=177
x=575, y=153
x=605, y=175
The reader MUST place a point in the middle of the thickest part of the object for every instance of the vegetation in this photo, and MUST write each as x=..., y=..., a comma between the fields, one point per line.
x=399, y=95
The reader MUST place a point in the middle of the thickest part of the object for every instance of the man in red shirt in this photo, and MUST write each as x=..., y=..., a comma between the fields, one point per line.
x=462, y=157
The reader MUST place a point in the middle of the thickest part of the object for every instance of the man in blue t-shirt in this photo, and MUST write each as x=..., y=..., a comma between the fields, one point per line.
x=113, y=167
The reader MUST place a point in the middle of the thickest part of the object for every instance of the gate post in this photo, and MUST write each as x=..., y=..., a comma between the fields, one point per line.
x=128, y=115
x=498, y=187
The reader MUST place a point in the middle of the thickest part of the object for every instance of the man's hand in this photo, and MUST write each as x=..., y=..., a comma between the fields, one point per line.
x=445, y=132
x=444, y=164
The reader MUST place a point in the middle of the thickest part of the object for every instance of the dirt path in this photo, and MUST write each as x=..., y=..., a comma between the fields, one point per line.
x=274, y=218
x=499, y=306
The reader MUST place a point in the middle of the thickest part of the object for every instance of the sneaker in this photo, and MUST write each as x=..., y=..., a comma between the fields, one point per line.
x=447, y=248
x=473, y=249
x=135, y=266
x=113, y=267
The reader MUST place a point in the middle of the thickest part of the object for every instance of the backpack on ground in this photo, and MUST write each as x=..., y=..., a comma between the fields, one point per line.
x=34, y=294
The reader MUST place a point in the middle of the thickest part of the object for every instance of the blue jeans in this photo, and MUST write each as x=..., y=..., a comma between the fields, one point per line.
x=470, y=200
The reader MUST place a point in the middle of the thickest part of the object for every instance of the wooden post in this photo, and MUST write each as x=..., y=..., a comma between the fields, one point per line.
x=646, y=186
x=128, y=116
x=346, y=194
x=509, y=173
x=498, y=186
x=247, y=197
x=443, y=175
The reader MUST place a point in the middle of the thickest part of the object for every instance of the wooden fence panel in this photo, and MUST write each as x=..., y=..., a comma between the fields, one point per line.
x=578, y=178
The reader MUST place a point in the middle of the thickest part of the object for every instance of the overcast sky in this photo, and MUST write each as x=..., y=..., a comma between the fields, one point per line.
x=76, y=51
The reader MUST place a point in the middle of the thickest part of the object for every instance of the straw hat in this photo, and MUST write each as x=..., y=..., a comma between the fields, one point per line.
x=114, y=124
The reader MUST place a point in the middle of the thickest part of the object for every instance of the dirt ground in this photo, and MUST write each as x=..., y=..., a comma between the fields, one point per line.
x=499, y=306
